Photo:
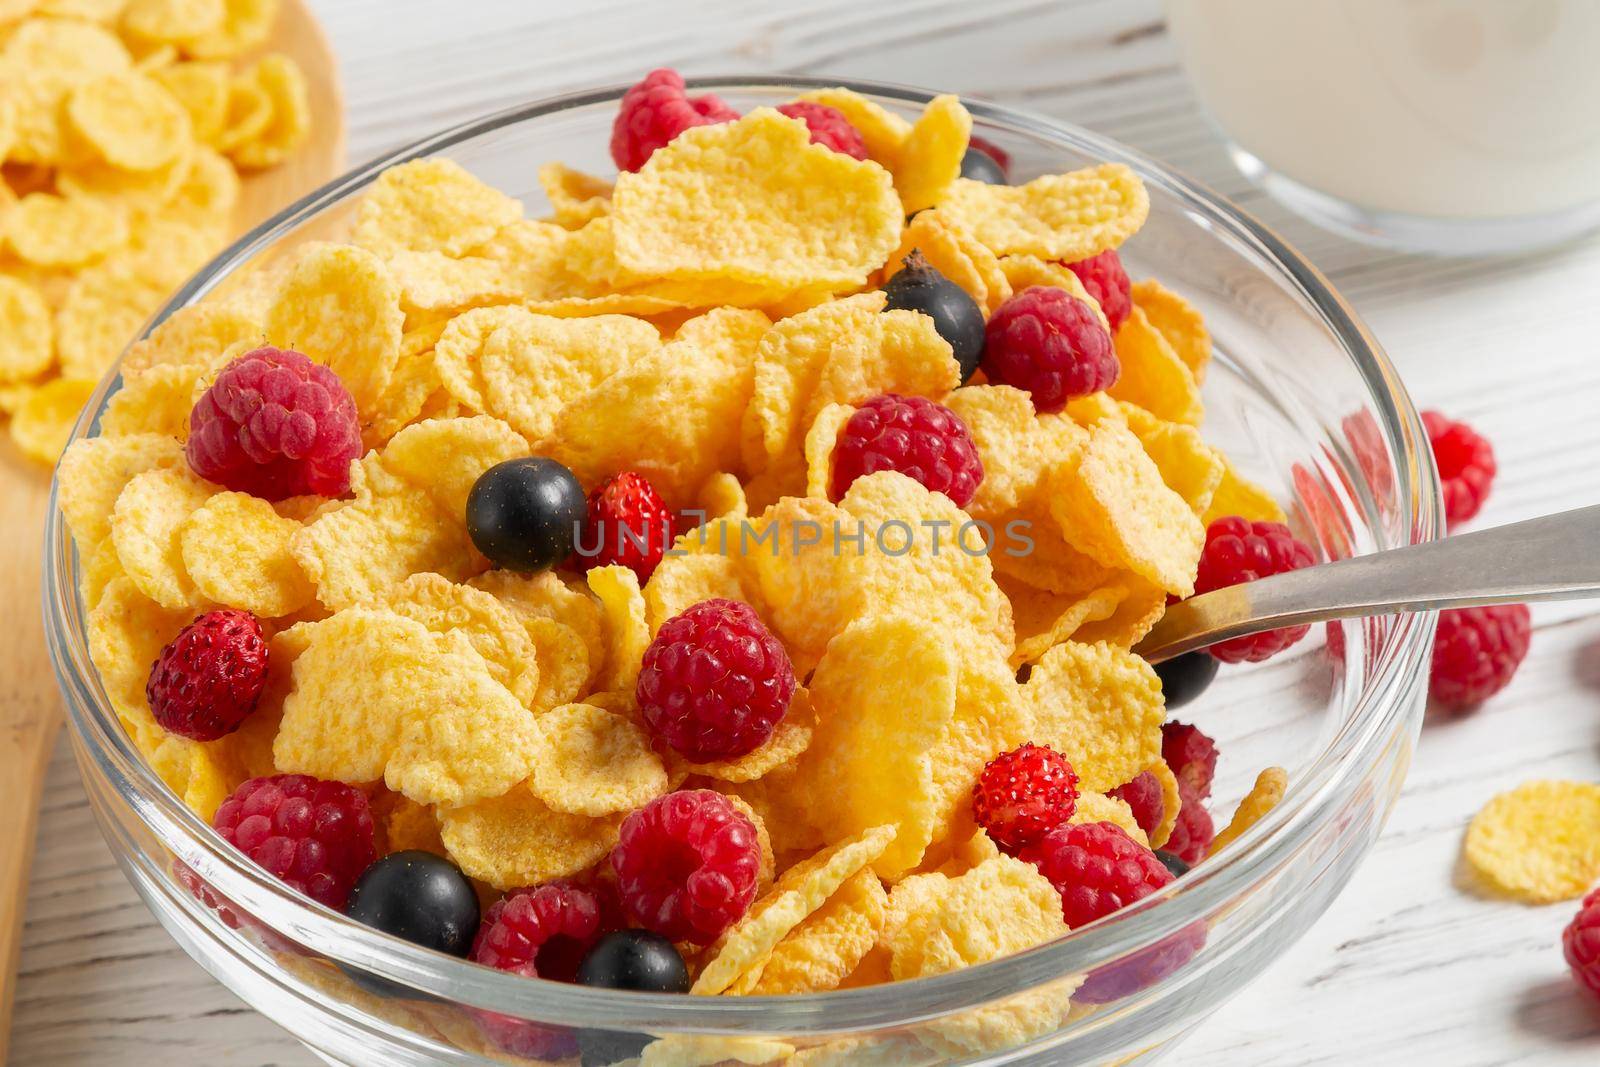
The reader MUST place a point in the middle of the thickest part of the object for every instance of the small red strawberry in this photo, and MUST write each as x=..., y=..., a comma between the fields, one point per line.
x=207, y=681
x=1024, y=794
x=628, y=524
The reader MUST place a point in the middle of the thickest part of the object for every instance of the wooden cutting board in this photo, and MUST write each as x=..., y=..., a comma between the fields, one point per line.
x=30, y=706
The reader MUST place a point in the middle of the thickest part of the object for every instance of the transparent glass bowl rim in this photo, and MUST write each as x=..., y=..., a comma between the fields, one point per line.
x=1311, y=800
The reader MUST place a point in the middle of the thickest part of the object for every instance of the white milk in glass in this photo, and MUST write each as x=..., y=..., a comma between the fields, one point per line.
x=1457, y=125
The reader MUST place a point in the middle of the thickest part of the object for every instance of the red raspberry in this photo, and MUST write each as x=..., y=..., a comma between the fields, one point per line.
x=714, y=682
x=1052, y=344
x=314, y=836
x=828, y=127
x=1580, y=944
x=1192, y=834
x=993, y=151
x=1476, y=652
x=1024, y=794
x=1143, y=794
x=1191, y=755
x=686, y=865
x=1238, y=550
x=275, y=425
x=1097, y=868
x=537, y=933
x=655, y=111
x=627, y=523
x=1108, y=283
x=208, y=680
x=1466, y=465
x=926, y=442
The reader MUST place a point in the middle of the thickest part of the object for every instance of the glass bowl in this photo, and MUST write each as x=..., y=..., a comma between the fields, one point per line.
x=1303, y=401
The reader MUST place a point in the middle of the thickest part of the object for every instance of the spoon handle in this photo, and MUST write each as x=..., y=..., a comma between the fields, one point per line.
x=1555, y=557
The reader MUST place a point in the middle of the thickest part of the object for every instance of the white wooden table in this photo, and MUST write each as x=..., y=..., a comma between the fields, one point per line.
x=1404, y=967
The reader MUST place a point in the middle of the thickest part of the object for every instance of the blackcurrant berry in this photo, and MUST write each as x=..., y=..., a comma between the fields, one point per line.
x=955, y=314
x=524, y=513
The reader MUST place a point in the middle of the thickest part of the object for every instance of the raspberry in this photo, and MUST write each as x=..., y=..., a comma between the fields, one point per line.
x=926, y=442
x=1580, y=944
x=1143, y=794
x=1476, y=651
x=686, y=865
x=1466, y=465
x=1192, y=833
x=537, y=933
x=1108, y=283
x=655, y=111
x=828, y=127
x=1097, y=868
x=208, y=680
x=314, y=836
x=275, y=425
x=714, y=682
x=1023, y=795
x=628, y=523
x=1052, y=344
x=1191, y=755
x=1238, y=550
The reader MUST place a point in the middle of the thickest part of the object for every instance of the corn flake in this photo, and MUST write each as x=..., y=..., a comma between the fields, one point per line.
x=938, y=924
x=515, y=840
x=1064, y=217
x=494, y=632
x=1099, y=706
x=1262, y=798
x=592, y=762
x=235, y=548
x=284, y=85
x=928, y=162
x=1153, y=376
x=147, y=526
x=1178, y=322
x=130, y=121
x=431, y=205
x=26, y=332
x=1538, y=843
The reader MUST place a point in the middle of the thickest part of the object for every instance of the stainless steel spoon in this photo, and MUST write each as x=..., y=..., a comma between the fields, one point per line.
x=1556, y=557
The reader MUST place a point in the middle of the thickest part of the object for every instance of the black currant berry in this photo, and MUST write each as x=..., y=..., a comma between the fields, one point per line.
x=524, y=513
x=1173, y=863
x=1185, y=677
x=980, y=166
x=955, y=315
x=636, y=960
x=420, y=897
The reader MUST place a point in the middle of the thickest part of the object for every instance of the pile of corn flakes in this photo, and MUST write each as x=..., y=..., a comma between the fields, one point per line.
x=124, y=127
x=702, y=322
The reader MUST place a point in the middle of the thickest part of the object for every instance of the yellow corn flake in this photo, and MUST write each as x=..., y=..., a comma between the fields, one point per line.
x=52, y=231
x=391, y=531
x=1237, y=495
x=900, y=352
x=564, y=666
x=284, y=85
x=627, y=634
x=127, y=631
x=1099, y=706
x=929, y=161
x=885, y=696
x=203, y=90
x=937, y=924
x=157, y=401
x=789, y=739
x=820, y=442
x=1538, y=843
x=691, y=392
x=515, y=840
x=340, y=307
x=1190, y=467
x=1018, y=448
x=172, y=20
x=376, y=695
x=1262, y=798
x=192, y=335
x=719, y=202
x=532, y=366
x=235, y=548
x=946, y=252
x=591, y=762
x=882, y=131
x=494, y=632
x=679, y=582
x=431, y=205
x=545, y=596
x=688, y=1050
x=100, y=568
x=801, y=890
x=147, y=527
x=1142, y=606
x=26, y=332
x=433, y=283
x=1064, y=217
x=93, y=10
x=1113, y=506
x=1171, y=802
x=1023, y=272
x=66, y=47
x=1098, y=807
x=210, y=190
x=1043, y=619
x=458, y=353
x=248, y=112
x=93, y=473
x=403, y=824
x=103, y=309
x=1178, y=322
x=1152, y=375
x=130, y=121
x=829, y=943
x=246, y=24
x=574, y=196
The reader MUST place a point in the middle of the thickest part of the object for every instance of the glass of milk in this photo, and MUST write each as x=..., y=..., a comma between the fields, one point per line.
x=1459, y=127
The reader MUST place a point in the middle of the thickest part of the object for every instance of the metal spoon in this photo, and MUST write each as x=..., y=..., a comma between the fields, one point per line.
x=1556, y=557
